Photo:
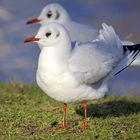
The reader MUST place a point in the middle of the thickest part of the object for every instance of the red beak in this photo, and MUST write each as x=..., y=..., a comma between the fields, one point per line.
x=34, y=20
x=31, y=39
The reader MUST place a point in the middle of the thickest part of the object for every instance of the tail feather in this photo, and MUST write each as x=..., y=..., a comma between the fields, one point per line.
x=126, y=43
x=110, y=38
x=123, y=64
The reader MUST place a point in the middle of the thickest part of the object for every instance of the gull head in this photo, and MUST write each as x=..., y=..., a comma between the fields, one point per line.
x=50, y=35
x=51, y=13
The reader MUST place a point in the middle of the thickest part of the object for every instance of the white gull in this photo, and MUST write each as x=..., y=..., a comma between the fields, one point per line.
x=81, y=72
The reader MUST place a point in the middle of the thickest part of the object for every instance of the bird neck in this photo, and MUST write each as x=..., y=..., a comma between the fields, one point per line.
x=54, y=58
x=65, y=19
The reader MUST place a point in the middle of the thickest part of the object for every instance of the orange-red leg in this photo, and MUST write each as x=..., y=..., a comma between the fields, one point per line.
x=85, y=116
x=64, y=115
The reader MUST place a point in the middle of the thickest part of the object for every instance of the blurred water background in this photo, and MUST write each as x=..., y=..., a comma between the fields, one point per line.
x=18, y=61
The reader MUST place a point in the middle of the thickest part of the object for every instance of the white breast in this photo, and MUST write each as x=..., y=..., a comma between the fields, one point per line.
x=57, y=81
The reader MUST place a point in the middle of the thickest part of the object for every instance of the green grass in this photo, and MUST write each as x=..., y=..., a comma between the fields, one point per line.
x=26, y=113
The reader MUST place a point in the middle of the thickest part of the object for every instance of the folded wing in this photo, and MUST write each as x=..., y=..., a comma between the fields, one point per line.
x=92, y=61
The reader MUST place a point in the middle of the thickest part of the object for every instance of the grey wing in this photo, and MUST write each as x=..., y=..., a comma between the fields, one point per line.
x=89, y=63
x=92, y=61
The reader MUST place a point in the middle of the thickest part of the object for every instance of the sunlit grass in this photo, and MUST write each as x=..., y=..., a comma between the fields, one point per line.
x=27, y=113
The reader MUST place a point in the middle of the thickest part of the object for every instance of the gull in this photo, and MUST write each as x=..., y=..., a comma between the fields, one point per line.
x=72, y=73
x=56, y=13
x=78, y=32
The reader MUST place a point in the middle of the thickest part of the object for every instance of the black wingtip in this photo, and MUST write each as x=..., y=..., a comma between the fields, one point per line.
x=136, y=52
x=131, y=48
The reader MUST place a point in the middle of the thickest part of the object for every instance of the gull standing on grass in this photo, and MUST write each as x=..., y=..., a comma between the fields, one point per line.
x=80, y=72
x=78, y=32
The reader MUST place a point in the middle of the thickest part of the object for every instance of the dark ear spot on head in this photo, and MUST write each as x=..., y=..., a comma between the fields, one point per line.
x=57, y=15
x=57, y=35
x=49, y=14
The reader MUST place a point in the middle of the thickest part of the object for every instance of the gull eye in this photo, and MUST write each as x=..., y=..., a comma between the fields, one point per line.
x=48, y=34
x=49, y=14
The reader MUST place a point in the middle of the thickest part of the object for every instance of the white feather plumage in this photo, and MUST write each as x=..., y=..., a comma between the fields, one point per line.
x=81, y=73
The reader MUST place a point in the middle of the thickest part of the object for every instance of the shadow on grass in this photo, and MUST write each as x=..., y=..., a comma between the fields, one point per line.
x=110, y=109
